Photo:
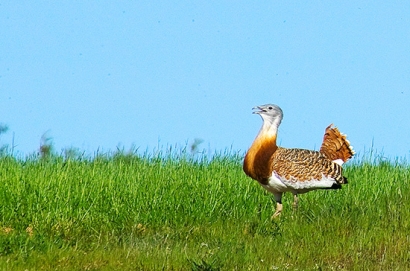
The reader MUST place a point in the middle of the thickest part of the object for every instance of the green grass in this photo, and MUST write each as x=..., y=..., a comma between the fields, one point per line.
x=171, y=212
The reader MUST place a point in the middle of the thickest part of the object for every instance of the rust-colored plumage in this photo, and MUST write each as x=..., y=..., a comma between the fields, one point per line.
x=255, y=164
x=298, y=171
x=335, y=145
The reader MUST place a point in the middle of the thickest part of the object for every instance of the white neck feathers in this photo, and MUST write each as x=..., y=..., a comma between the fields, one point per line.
x=270, y=126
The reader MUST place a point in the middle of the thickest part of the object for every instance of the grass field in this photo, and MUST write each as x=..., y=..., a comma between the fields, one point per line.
x=170, y=212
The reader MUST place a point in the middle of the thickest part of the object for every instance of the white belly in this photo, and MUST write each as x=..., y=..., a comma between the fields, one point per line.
x=279, y=184
x=275, y=184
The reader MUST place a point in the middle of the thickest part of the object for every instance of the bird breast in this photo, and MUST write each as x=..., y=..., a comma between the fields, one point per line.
x=257, y=163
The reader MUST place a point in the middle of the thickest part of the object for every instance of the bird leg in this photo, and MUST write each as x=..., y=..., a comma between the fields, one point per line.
x=295, y=201
x=279, y=207
x=278, y=210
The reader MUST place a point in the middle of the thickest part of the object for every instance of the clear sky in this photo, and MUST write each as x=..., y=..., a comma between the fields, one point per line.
x=101, y=74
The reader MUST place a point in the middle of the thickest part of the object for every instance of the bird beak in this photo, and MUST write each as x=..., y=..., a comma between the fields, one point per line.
x=257, y=108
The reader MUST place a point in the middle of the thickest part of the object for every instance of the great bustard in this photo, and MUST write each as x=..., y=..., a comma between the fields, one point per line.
x=298, y=171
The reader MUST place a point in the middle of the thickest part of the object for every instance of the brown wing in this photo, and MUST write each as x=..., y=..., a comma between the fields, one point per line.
x=305, y=165
x=335, y=145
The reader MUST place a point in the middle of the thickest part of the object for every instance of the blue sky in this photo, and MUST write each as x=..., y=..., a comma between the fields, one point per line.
x=101, y=74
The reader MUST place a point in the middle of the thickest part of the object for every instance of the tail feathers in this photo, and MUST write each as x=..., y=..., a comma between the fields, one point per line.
x=338, y=185
x=334, y=186
x=335, y=145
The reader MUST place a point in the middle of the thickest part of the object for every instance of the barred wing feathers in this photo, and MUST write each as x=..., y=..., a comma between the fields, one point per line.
x=303, y=169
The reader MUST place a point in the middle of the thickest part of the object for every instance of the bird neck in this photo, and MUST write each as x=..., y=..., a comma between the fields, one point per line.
x=257, y=163
x=269, y=128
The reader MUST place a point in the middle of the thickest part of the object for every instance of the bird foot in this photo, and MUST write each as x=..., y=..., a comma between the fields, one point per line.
x=276, y=214
x=278, y=210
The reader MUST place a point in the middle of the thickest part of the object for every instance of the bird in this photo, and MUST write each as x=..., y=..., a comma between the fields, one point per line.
x=280, y=170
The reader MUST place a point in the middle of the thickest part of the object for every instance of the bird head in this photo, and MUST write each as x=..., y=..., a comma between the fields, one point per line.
x=270, y=113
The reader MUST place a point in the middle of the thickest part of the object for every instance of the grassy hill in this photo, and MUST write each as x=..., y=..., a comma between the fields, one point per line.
x=126, y=211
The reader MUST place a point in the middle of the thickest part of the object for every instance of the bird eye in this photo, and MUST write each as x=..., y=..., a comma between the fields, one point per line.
x=270, y=107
